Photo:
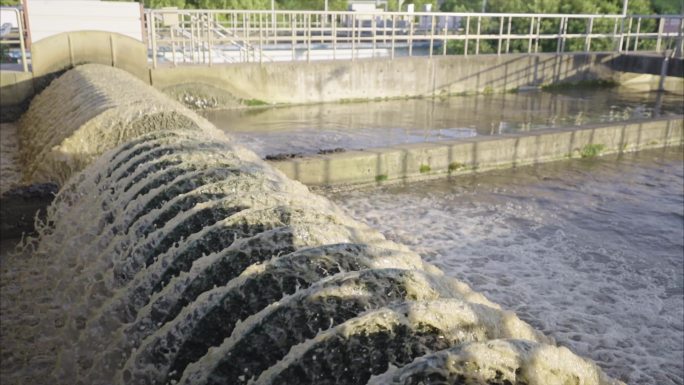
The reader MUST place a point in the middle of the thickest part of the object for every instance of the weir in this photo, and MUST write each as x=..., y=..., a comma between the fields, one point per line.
x=171, y=255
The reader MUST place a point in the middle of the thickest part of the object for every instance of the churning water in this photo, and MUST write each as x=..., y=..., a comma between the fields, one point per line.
x=309, y=129
x=588, y=251
x=171, y=255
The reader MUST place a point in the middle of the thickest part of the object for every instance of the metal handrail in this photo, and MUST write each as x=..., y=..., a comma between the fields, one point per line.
x=20, y=40
x=350, y=34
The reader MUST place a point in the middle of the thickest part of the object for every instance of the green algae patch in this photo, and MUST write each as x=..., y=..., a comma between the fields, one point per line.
x=592, y=150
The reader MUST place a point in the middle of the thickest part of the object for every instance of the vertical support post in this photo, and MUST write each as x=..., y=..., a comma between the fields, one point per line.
x=619, y=41
x=353, y=42
x=210, y=32
x=261, y=41
x=536, y=43
x=498, y=45
x=446, y=29
x=173, y=44
x=308, y=38
x=394, y=28
x=508, y=34
x=636, y=38
x=334, y=38
x=529, y=41
x=373, y=32
x=661, y=26
x=411, y=35
x=477, y=39
x=628, y=33
x=467, y=33
x=154, y=40
x=22, y=44
x=587, y=38
x=559, y=41
x=432, y=34
x=293, y=39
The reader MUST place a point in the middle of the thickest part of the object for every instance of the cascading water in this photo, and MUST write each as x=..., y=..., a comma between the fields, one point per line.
x=178, y=257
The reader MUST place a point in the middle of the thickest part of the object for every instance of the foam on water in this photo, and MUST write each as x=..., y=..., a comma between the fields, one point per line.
x=173, y=253
x=590, y=252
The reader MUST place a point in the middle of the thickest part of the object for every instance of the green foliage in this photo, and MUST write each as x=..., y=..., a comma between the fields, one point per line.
x=592, y=150
x=455, y=166
x=381, y=178
x=670, y=7
x=424, y=168
x=254, y=102
x=9, y=3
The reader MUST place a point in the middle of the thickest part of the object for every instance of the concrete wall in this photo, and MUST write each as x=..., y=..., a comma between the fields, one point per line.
x=66, y=50
x=377, y=78
x=15, y=87
x=429, y=160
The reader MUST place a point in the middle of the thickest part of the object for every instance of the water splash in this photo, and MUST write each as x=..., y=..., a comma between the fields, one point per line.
x=178, y=256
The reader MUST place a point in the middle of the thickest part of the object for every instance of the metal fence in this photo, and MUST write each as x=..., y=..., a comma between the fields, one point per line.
x=207, y=37
x=228, y=36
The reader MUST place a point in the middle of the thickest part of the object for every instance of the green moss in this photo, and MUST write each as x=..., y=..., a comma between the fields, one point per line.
x=254, y=102
x=381, y=178
x=424, y=168
x=488, y=90
x=593, y=83
x=653, y=143
x=592, y=150
x=455, y=166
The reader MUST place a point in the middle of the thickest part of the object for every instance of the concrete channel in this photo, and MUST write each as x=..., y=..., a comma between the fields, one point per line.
x=480, y=153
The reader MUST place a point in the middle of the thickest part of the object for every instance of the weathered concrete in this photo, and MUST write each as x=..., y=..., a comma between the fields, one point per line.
x=430, y=160
x=228, y=86
x=330, y=81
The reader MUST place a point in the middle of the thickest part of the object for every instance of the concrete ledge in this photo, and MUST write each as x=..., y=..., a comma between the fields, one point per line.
x=431, y=160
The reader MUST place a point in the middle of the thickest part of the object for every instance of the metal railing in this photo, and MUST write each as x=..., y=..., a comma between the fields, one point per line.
x=215, y=36
x=12, y=44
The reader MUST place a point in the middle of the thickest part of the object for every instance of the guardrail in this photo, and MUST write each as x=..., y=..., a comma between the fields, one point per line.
x=206, y=37
x=218, y=36
x=12, y=44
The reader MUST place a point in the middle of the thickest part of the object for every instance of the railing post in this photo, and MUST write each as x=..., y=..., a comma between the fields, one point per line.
x=154, y=40
x=446, y=32
x=661, y=26
x=432, y=34
x=467, y=33
x=636, y=38
x=622, y=23
x=353, y=37
x=334, y=38
x=410, y=35
x=394, y=28
x=587, y=39
x=373, y=31
x=173, y=45
x=536, y=43
x=565, y=32
x=22, y=44
x=477, y=39
x=308, y=39
x=261, y=41
x=628, y=33
x=498, y=45
x=559, y=41
x=508, y=34
x=529, y=42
